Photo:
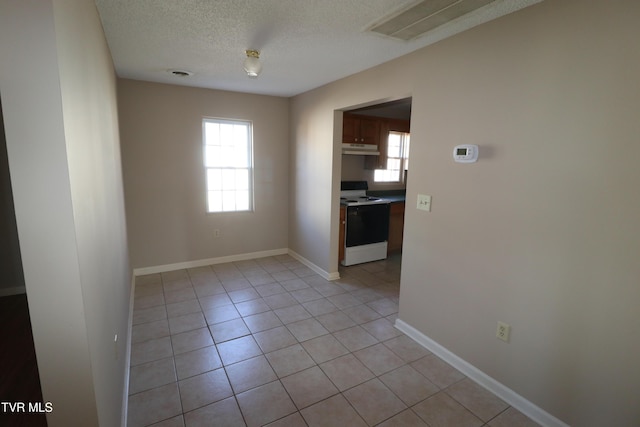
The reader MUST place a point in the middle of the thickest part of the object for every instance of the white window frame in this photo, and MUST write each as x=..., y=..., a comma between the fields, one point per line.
x=385, y=175
x=228, y=181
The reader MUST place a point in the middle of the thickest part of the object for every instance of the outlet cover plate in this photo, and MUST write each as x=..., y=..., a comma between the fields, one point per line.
x=503, y=331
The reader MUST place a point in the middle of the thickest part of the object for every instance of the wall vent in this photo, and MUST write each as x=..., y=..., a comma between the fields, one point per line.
x=422, y=17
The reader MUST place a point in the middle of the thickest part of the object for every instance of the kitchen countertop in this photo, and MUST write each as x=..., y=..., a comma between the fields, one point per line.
x=394, y=196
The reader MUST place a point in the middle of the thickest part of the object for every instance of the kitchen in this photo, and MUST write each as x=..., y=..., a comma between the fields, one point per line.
x=375, y=159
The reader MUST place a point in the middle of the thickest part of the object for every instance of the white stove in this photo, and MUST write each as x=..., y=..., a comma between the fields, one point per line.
x=354, y=193
x=367, y=224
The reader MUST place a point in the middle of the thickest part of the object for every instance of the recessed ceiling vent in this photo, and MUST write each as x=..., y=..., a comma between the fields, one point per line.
x=422, y=17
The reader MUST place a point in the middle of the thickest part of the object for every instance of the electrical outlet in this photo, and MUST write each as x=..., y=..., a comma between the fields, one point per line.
x=424, y=202
x=216, y=233
x=503, y=331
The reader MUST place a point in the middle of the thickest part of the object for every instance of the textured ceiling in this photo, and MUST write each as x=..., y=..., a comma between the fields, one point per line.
x=303, y=44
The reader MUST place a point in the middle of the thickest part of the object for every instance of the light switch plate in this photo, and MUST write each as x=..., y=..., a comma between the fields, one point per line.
x=424, y=202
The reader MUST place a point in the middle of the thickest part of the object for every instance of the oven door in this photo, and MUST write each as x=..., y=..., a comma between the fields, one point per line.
x=367, y=224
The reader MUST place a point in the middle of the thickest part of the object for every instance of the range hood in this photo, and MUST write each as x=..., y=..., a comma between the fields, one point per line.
x=360, y=149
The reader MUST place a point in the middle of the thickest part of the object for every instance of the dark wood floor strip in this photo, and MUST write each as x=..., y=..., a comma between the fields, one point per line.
x=19, y=378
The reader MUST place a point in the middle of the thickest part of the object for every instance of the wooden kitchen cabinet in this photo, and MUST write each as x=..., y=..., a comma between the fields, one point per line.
x=396, y=227
x=343, y=219
x=360, y=130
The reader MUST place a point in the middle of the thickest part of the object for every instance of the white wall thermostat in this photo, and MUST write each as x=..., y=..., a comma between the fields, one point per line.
x=465, y=153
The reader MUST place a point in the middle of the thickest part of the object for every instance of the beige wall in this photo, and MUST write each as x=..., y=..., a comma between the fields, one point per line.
x=161, y=129
x=59, y=104
x=542, y=232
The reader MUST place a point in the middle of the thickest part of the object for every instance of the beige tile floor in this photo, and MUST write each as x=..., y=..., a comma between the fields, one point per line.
x=269, y=342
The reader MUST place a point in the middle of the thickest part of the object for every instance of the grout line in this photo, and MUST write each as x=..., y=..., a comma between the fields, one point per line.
x=339, y=310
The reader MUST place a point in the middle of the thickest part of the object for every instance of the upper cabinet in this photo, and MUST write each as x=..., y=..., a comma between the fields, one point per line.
x=360, y=130
x=398, y=125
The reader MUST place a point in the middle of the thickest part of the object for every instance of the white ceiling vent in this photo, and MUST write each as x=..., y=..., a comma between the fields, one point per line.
x=422, y=17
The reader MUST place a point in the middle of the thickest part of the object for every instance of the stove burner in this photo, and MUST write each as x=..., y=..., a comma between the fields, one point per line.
x=358, y=196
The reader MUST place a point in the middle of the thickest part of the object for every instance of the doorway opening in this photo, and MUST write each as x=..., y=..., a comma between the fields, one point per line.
x=383, y=163
x=20, y=380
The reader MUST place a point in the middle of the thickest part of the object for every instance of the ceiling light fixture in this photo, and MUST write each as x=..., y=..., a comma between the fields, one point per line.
x=252, y=64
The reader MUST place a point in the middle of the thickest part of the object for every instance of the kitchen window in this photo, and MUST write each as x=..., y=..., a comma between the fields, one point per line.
x=397, y=160
x=228, y=162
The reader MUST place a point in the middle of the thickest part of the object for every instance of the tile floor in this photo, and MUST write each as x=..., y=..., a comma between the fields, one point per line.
x=269, y=342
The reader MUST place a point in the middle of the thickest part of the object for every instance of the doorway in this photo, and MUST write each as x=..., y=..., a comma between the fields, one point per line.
x=19, y=380
x=386, y=173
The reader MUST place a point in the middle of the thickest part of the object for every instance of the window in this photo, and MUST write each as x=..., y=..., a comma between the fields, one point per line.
x=228, y=162
x=397, y=158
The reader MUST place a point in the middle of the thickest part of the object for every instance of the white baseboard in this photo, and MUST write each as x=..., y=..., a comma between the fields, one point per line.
x=314, y=267
x=511, y=397
x=125, y=397
x=16, y=290
x=210, y=261
x=232, y=258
